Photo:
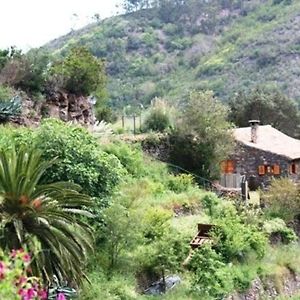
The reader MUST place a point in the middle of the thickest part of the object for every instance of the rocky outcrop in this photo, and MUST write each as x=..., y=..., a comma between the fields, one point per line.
x=59, y=104
x=68, y=107
x=30, y=112
x=271, y=288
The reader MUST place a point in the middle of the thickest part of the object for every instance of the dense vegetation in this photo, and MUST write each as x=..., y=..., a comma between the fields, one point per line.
x=224, y=46
x=166, y=49
x=38, y=75
x=107, y=219
x=142, y=217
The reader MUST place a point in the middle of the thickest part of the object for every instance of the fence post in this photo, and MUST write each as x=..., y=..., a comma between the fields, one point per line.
x=134, y=129
x=123, y=122
x=140, y=121
x=244, y=188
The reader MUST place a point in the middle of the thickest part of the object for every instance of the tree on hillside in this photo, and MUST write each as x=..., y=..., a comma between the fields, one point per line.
x=26, y=71
x=166, y=7
x=202, y=138
x=7, y=54
x=4, y=55
x=80, y=72
x=33, y=76
x=271, y=107
x=134, y=5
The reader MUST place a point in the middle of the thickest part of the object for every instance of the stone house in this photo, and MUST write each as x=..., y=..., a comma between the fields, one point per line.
x=262, y=153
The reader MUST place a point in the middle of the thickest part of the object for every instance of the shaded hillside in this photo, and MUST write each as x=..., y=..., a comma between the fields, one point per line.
x=201, y=45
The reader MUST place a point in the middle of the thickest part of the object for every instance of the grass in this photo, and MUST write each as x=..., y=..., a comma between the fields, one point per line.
x=282, y=257
x=188, y=224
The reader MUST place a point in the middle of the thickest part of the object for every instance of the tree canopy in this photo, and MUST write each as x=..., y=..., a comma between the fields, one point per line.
x=271, y=107
x=80, y=72
x=202, y=138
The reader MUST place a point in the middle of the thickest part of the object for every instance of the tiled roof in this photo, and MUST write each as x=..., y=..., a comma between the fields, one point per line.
x=271, y=140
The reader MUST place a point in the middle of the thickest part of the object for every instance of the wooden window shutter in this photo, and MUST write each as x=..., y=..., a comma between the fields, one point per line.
x=230, y=166
x=261, y=170
x=227, y=166
x=293, y=168
x=276, y=170
x=223, y=166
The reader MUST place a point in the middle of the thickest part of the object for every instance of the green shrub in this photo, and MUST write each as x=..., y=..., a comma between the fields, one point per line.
x=106, y=114
x=15, y=137
x=179, y=44
x=156, y=223
x=80, y=73
x=6, y=93
x=80, y=158
x=190, y=154
x=171, y=29
x=282, y=256
x=120, y=232
x=210, y=203
x=33, y=71
x=202, y=137
x=180, y=183
x=130, y=157
x=157, y=120
x=234, y=239
x=278, y=227
x=243, y=275
x=282, y=200
x=163, y=255
x=212, y=278
x=149, y=39
x=133, y=43
x=140, y=66
x=114, y=288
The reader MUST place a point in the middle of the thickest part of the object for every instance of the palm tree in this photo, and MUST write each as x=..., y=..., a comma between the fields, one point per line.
x=45, y=219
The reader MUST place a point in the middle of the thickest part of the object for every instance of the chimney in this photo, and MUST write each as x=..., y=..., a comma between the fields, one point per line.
x=254, y=130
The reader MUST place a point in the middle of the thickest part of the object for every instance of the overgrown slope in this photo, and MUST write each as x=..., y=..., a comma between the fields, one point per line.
x=225, y=46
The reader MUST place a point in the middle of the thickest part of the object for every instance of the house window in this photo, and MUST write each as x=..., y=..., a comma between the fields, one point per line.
x=293, y=168
x=262, y=170
x=227, y=166
x=268, y=170
x=276, y=169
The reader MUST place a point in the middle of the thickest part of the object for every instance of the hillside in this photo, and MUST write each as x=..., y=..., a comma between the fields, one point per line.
x=225, y=46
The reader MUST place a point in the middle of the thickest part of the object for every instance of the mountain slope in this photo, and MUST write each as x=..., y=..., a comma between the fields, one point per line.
x=202, y=45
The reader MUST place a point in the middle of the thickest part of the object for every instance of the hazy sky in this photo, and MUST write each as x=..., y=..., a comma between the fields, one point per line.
x=31, y=23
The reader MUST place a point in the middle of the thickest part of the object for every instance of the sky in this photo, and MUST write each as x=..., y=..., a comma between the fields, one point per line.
x=31, y=23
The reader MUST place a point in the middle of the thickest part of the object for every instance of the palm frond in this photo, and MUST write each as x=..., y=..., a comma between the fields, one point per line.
x=47, y=219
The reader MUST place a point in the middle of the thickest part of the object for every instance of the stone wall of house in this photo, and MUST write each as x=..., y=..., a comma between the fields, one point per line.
x=248, y=159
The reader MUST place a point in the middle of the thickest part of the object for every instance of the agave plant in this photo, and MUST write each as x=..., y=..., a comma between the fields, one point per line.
x=46, y=219
x=9, y=109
